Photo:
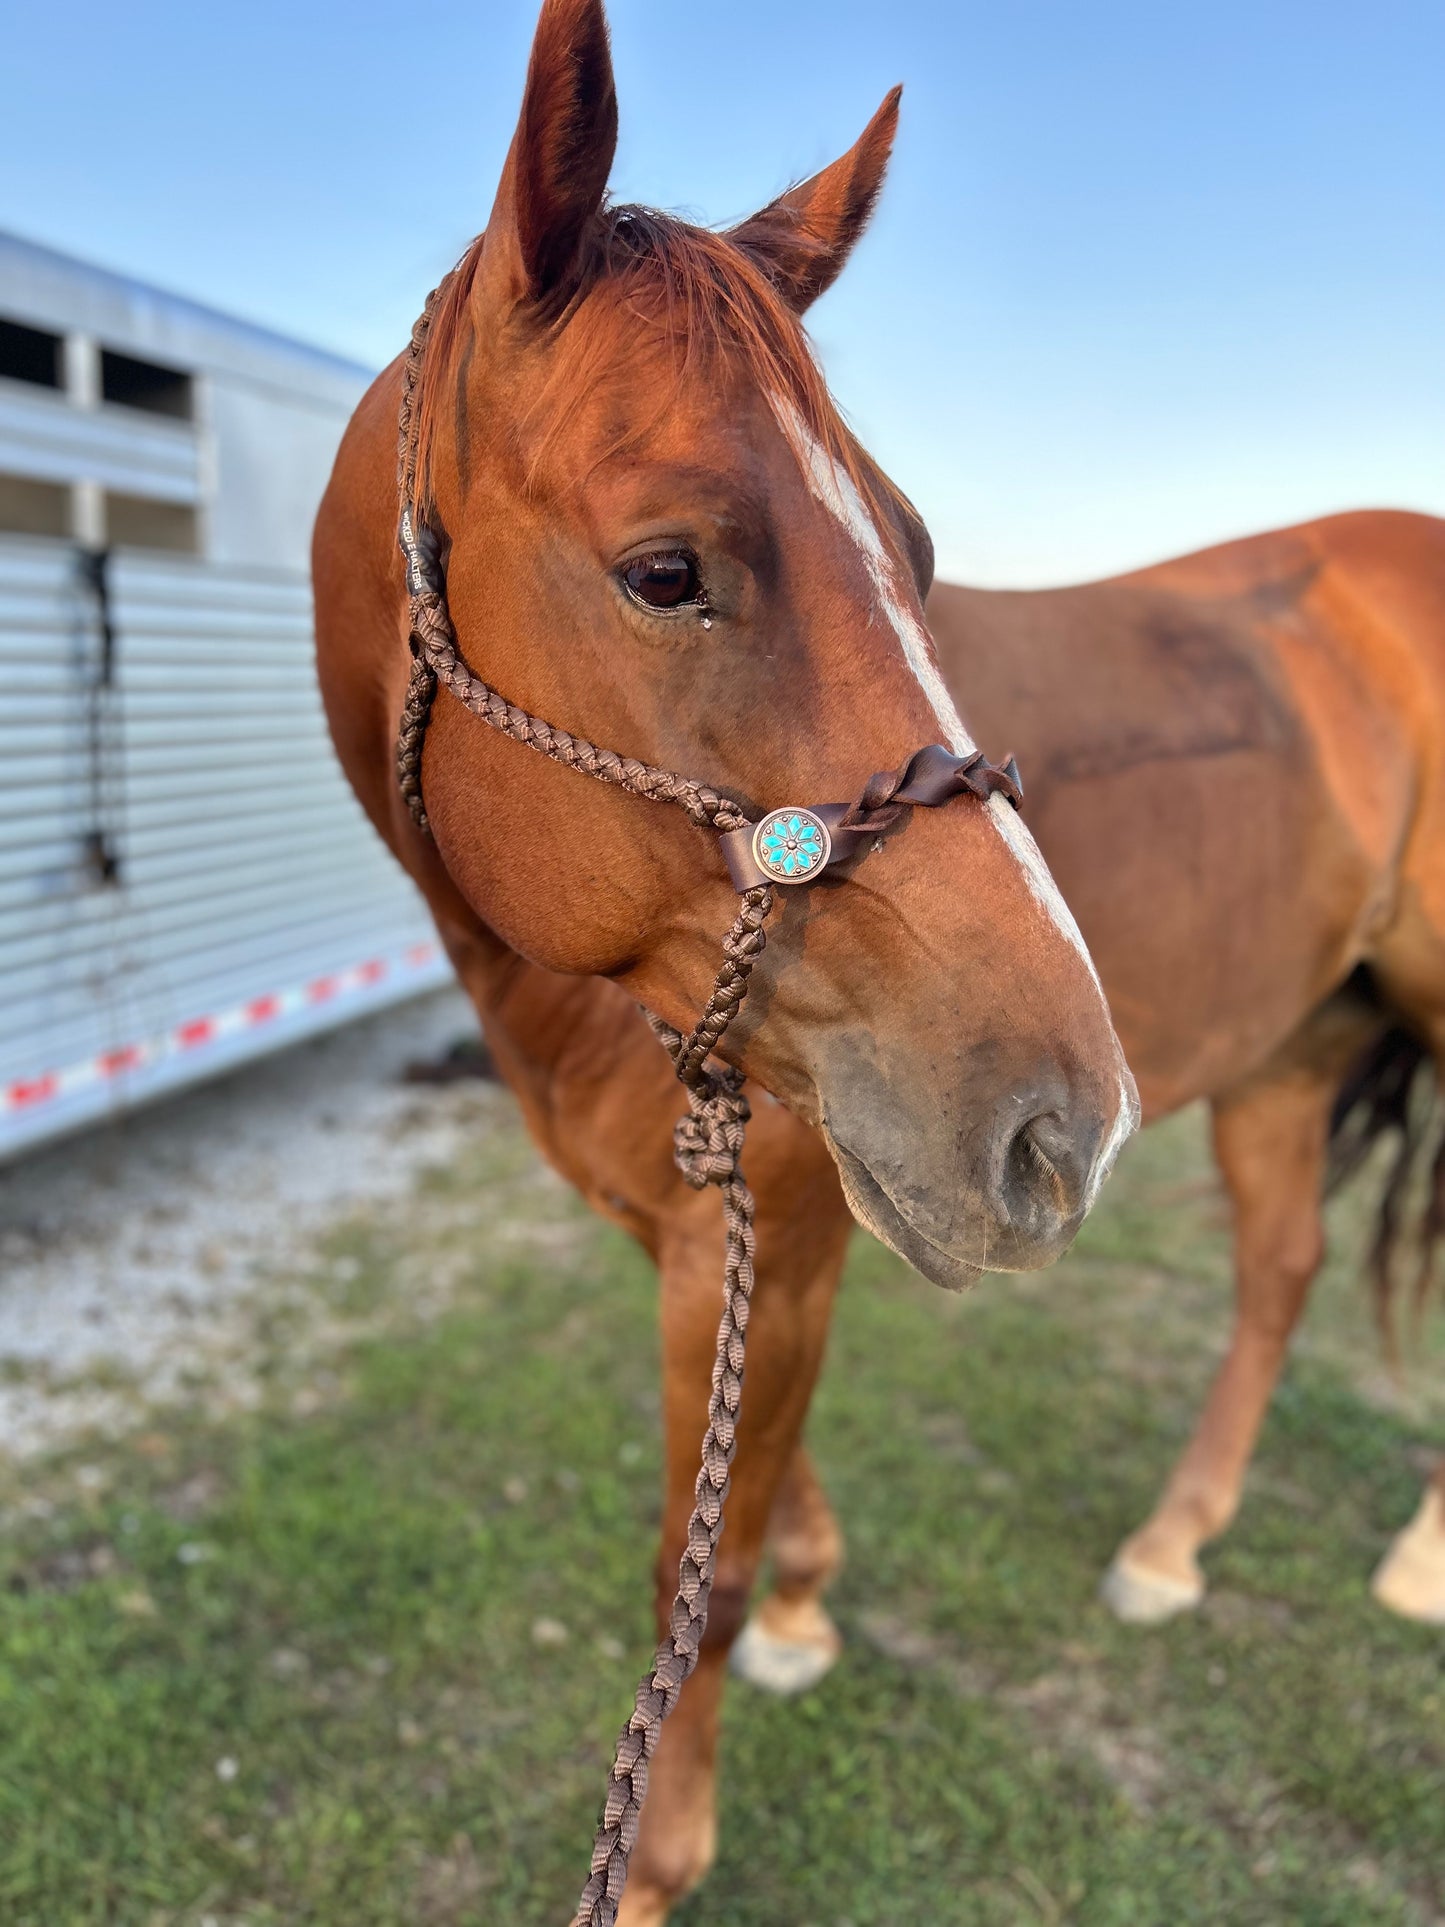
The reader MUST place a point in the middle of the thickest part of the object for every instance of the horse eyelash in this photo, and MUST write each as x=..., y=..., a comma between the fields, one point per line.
x=1042, y=1159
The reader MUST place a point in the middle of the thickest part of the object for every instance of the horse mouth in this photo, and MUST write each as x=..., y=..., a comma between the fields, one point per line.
x=876, y=1212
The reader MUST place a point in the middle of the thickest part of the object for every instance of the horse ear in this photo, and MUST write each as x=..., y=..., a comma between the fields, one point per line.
x=561, y=154
x=806, y=235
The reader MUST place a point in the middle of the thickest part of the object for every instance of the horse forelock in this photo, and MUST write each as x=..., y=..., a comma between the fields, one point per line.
x=691, y=286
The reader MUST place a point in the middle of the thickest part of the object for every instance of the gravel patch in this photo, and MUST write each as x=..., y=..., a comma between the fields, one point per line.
x=131, y=1257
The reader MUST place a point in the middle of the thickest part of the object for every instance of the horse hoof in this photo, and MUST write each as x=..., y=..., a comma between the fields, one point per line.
x=785, y=1666
x=1410, y=1579
x=1143, y=1598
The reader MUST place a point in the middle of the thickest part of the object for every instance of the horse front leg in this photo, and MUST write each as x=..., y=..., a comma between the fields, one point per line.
x=790, y=1641
x=798, y=1264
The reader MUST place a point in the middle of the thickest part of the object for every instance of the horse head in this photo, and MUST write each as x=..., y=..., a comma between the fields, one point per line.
x=658, y=534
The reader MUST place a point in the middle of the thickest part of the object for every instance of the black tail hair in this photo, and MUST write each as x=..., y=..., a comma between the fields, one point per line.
x=1391, y=1093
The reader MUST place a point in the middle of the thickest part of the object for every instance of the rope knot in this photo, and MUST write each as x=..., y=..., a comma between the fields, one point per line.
x=708, y=1142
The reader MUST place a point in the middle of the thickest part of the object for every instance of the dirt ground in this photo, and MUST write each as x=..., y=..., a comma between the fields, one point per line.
x=137, y=1261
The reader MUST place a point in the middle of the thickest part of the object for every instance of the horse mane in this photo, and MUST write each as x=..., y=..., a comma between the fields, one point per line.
x=707, y=293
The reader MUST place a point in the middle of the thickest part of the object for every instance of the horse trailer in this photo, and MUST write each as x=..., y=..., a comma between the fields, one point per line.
x=186, y=880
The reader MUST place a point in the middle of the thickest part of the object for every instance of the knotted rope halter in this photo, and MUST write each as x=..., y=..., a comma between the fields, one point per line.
x=791, y=846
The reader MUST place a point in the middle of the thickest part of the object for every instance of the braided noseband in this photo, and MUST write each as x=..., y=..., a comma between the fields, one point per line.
x=789, y=846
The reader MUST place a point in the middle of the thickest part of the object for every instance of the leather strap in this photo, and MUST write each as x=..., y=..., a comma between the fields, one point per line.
x=929, y=778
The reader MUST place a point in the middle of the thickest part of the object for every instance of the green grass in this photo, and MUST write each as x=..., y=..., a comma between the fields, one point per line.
x=283, y=1669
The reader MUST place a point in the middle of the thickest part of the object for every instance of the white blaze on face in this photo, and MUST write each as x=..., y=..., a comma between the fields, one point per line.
x=1020, y=839
x=838, y=493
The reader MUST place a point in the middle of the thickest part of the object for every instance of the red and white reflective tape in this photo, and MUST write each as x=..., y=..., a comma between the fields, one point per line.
x=30, y=1093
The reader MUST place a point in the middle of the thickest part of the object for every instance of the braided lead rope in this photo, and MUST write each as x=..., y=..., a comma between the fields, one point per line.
x=742, y=947
x=708, y=1141
x=708, y=1147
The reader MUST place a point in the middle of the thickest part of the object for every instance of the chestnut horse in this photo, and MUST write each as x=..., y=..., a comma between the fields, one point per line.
x=659, y=535
x=1238, y=770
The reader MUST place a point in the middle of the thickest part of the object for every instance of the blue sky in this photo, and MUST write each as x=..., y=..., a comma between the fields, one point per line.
x=1144, y=276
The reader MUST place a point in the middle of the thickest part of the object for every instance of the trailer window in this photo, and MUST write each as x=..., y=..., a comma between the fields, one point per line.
x=145, y=385
x=29, y=507
x=29, y=354
x=134, y=522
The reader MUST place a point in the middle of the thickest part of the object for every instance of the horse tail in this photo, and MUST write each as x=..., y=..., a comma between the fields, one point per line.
x=1391, y=1095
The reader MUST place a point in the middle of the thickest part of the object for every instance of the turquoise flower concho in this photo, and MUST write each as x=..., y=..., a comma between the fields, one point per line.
x=792, y=845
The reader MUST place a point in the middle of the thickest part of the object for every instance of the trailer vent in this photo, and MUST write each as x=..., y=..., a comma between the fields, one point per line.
x=145, y=385
x=30, y=354
x=28, y=507
x=135, y=522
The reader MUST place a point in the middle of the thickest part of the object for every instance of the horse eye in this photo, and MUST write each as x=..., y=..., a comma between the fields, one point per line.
x=668, y=579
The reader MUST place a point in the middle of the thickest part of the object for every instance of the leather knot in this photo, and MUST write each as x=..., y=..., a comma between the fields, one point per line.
x=930, y=777
x=708, y=1142
x=981, y=778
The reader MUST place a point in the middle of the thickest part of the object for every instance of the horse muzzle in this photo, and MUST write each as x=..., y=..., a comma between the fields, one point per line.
x=1009, y=1194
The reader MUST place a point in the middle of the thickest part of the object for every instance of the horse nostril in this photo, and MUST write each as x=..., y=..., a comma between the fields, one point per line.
x=1044, y=1172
